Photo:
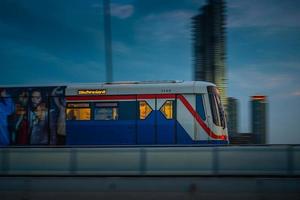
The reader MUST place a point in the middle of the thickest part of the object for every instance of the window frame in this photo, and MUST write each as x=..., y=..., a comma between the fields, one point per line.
x=217, y=109
x=173, y=113
x=200, y=100
x=112, y=106
x=139, y=111
x=68, y=107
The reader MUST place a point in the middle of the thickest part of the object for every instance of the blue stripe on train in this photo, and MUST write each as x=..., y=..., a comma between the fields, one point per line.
x=131, y=132
x=162, y=133
x=165, y=130
x=101, y=132
x=146, y=130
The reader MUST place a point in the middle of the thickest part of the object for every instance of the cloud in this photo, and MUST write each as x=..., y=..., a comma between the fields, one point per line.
x=257, y=79
x=122, y=11
x=120, y=48
x=29, y=64
x=263, y=13
x=60, y=26
x=96, y=5
x=296, y=93
x=166, y=26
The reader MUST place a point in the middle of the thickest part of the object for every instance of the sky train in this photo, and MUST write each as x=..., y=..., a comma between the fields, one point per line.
x=120, y=113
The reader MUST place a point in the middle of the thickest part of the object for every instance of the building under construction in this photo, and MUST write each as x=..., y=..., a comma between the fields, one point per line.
x=209, y=46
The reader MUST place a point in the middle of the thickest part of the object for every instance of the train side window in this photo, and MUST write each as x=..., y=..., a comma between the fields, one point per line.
x=127, y=110
x=145, y=109
x=167, y=109
x=200, y=106
x=78, y=111
x=106, y=111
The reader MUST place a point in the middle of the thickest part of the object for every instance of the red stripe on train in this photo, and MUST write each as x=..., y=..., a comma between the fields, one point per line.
x=120, y=97
x=158, y=96
x=106, y=97
x=199, y=120
x=152, y=96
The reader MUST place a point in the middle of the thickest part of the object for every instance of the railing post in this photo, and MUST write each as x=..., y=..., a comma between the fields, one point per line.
x=290, y=160
x=73, y=161
x=4, y=161
x=143, y=161
x=215, y=160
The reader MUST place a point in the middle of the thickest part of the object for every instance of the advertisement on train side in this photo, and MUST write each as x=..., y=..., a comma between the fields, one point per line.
x=32, y=116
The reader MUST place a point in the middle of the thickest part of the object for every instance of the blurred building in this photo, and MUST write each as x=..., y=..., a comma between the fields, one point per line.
x=259, y=118
x=209, y=46
x=242, y=138
x=232, y=115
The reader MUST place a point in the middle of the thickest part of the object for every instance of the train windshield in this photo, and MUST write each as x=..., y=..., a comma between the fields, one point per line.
x=218, y=113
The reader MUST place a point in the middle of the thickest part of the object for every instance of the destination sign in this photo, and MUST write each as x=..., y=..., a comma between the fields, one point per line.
x=92, y=92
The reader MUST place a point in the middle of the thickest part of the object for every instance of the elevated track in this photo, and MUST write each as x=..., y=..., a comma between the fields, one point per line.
x=280, y=160
x=195, y=172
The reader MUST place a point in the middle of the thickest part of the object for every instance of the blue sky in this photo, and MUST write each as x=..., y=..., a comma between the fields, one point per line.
x=62, y=41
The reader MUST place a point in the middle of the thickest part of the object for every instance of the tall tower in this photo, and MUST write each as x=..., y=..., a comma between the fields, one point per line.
x=232, y=116
x=259, y=118
x=209, y=46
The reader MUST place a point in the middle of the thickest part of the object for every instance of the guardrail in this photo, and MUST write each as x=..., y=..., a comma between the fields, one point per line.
x=282, y=160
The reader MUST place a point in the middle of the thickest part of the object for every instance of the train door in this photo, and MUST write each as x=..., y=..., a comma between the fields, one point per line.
x=165, y=121
x=156, y=121
x=146, y=121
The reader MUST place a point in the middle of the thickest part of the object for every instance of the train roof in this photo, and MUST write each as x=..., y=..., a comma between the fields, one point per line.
x=129, y=87
x=143, y=87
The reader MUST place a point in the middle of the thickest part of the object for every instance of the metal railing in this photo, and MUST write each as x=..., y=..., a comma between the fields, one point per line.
x=278, y=160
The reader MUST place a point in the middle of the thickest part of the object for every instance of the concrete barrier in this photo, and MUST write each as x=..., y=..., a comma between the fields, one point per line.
x=280, y=160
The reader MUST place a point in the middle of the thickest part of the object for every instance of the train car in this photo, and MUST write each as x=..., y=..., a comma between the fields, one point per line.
x=120, y=113
x=145, y=113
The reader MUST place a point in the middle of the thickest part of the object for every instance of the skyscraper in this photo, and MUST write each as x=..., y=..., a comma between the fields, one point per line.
x=232, y=115
x=259, y=118
x=209, y=46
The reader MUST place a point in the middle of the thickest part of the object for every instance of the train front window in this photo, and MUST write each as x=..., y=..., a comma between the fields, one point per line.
x=106, y=111
x=218, y=113
x=221, y=111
